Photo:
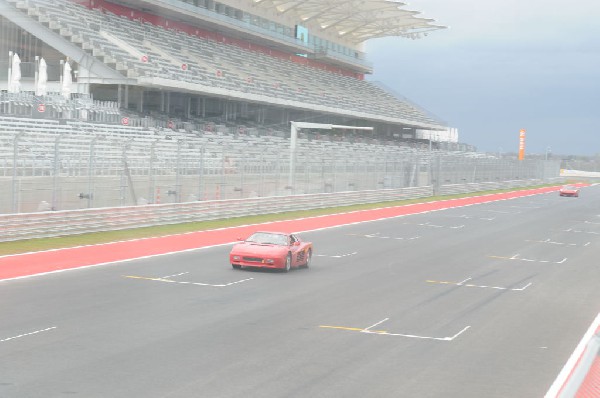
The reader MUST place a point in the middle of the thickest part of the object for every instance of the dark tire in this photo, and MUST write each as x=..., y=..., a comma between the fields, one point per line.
x=236, y=266
x=308, y=259
x=288, y=263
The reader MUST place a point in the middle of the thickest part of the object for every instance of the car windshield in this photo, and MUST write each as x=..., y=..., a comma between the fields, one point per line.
x=268, y=238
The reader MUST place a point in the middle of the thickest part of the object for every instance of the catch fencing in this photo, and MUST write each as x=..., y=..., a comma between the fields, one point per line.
x=66, y=167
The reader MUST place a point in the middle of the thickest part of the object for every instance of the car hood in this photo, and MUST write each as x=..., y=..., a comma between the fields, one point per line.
x=258, y=249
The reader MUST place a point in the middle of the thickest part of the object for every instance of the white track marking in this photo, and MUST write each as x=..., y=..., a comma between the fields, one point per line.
x=502, y=211
x=375, y=324
x=27, y=334
x=569, y=367
x=186, y=283
x=516, y=257
x=223, y=285
x=550, y=242
x=524, y=287
x=378, y=236
x=428, y=224
x=170, y=276
x=385, y=333
x=458, y=334
x=337, y=255
x=520, y=289
x=415, y=336
x=475, y=217
x=581, y=232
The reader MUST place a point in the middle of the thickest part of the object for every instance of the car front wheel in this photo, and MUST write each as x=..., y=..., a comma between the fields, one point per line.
x=308, y=259
x=288, y=263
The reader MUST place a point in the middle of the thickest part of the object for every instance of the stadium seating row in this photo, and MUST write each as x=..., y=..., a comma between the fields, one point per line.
x=143, y=50
x=39, y=141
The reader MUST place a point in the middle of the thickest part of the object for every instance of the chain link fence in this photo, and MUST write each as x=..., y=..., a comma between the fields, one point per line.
x=44, y=171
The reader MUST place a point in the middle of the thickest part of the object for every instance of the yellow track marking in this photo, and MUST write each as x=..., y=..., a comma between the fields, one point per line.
x=442, y=282
x=352, y=329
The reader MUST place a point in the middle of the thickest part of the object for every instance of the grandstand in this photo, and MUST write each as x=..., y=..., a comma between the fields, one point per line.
x=254, y=62
x=132, y=101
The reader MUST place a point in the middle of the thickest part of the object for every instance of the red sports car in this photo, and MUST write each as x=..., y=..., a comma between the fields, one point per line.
x=569, y=190
x=271, y=250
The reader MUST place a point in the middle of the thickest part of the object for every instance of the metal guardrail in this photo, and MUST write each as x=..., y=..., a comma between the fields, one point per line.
x=70, y=222
x=455, y=189
x=23, y=226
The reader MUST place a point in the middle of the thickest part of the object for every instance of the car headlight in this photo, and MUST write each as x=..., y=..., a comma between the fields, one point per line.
x=236, y=258
x=269, y=261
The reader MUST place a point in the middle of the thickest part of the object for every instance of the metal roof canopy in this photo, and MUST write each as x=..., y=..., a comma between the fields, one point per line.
x=355, y=20
x=294, y=140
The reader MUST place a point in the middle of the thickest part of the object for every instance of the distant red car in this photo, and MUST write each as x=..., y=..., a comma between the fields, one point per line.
x=569, y=190
x=277, y=250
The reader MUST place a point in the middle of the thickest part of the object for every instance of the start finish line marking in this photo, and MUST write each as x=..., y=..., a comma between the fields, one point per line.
x=520, y=289
x=369, y=330
x=186, y=283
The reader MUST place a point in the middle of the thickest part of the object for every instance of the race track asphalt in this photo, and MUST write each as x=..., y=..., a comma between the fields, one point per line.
x=487, y=300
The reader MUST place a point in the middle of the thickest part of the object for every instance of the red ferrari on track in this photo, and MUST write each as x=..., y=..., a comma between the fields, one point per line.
x=271, y=250
x=569, y=190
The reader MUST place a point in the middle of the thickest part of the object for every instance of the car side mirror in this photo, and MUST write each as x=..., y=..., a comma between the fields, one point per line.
x=240, y=239
x=296, y=243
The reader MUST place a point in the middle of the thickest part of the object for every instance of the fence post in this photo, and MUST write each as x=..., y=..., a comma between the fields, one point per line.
x=178, y=171
x=151, y=176
x=55, y=171
x=15, y=205
x=91, y=171
x=436, y=174
x=201, y=174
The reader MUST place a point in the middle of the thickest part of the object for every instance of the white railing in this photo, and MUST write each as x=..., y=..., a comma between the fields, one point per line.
x=69, y=222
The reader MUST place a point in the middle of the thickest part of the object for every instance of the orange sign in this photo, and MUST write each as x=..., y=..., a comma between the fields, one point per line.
x=521, y=144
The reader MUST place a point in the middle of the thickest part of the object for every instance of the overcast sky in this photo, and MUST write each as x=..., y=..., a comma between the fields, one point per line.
x=501, y=66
